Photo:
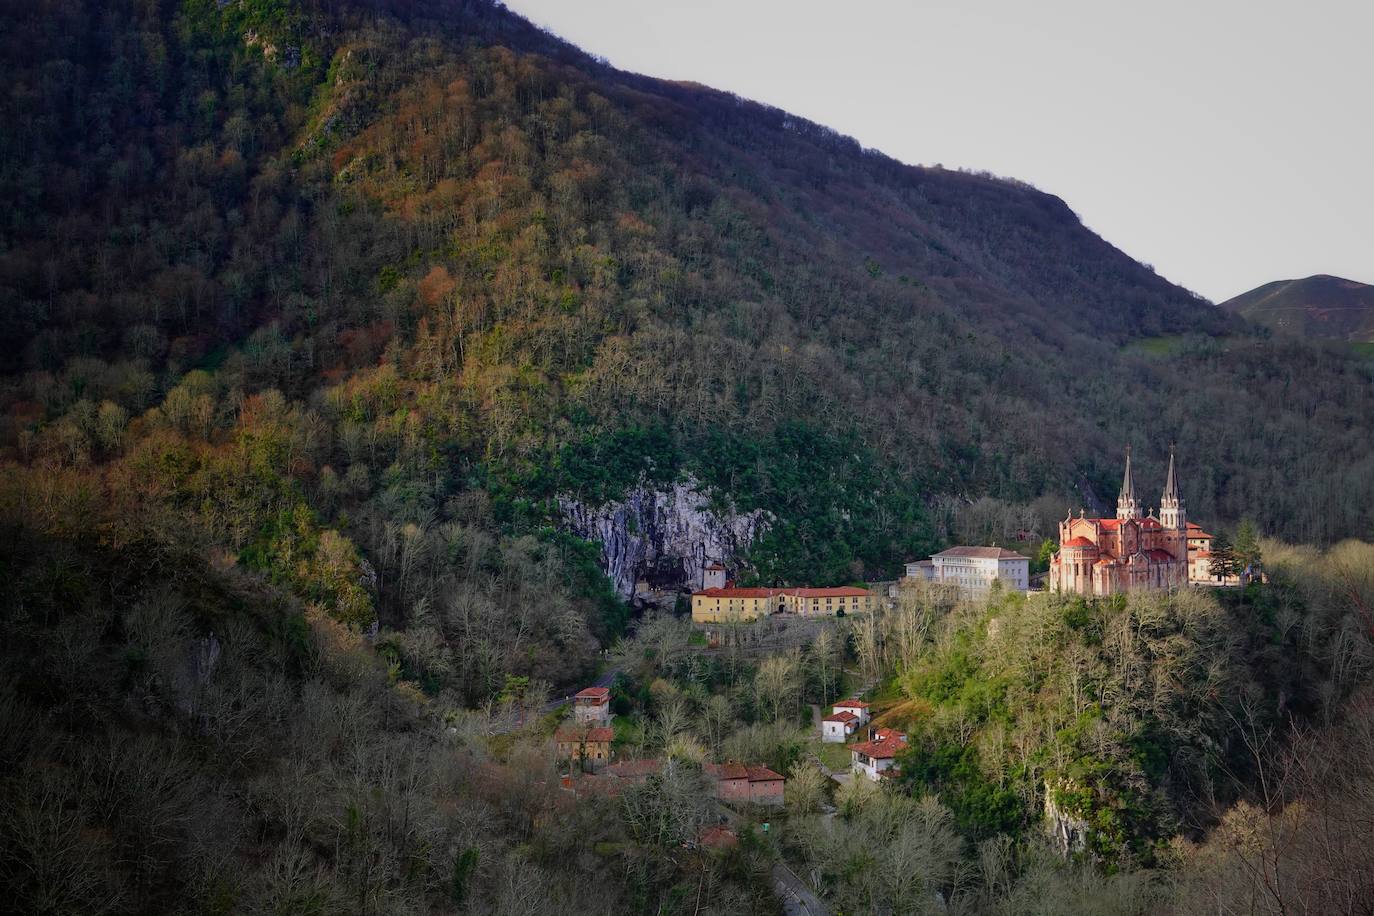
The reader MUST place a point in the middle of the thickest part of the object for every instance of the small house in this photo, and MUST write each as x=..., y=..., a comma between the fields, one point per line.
x=588, y=747
x=858, y=708
x=592, y=706
x=877, y=757
x=754, y=785
x=838, y=726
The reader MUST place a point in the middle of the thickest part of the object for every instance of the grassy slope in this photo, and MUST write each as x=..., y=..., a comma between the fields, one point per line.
x=1321, y=306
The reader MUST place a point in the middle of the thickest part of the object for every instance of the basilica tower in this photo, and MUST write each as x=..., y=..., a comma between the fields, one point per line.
x=1127, y=506
x=1172, y=516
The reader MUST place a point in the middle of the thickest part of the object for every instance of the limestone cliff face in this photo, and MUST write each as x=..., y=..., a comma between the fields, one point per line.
x=1067, y=833
x=662, y=538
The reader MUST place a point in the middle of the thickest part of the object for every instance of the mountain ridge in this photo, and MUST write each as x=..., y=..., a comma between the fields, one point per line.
x=1321, y=306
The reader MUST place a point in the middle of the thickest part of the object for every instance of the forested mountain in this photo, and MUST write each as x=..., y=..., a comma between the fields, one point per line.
x=317, y=315
x=469, y=256
x=1321, y=306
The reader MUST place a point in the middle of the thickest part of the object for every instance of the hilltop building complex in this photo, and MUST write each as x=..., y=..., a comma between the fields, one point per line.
x=1133, y=551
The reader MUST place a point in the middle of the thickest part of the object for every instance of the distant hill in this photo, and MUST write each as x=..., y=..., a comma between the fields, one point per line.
x=1323, y=307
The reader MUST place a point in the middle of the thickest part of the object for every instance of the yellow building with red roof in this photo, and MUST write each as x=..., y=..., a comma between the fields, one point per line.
x=741, y=605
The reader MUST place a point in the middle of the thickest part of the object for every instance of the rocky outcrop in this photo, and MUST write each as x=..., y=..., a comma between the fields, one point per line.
x=662, y=539
x=1067, y=832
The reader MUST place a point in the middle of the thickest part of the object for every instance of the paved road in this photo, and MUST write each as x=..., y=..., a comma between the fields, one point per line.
x=797, y=899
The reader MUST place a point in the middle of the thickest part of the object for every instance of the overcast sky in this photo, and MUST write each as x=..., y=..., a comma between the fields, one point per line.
x=1226, y=143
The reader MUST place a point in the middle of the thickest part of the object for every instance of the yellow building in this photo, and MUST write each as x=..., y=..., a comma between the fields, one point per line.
x=734, y=605
x=827, y=602
x=741, y=605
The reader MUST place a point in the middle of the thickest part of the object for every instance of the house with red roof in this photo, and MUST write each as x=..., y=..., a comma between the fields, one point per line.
x=858, y=707
x=876, y=758
x=592, y=706
x=752, y=784
x=589, y=748
x=838, y=726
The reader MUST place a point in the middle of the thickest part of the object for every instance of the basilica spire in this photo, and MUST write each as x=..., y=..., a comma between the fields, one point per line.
x=1127, y=506
x=1171, y=513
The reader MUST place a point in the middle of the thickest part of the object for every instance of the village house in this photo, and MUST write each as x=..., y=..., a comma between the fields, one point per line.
x=753, y=784
x=587, y=747
x=592, y=706
x=741, y=605
x=838, y=726
x=858, y=707
x=876, y=758
x=845, y=719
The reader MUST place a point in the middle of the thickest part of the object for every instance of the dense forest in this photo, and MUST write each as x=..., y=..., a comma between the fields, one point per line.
x=312, y=311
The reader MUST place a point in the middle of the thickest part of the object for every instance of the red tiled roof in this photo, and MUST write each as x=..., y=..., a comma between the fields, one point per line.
x=844, y=591
x=718, y=837
x=840, y=717
x=1105, y=561
x=635, y=769
x=880, y=750
x=737, y=592
x=593, y=693
x=885, y=745
x=1160, y=556
x=1201, y=554
x=1150, y=523
x=1110, y=524
x=727, y=770
x=1079, y=541
x=597, y=735
x=855, y=704
x=761, y=773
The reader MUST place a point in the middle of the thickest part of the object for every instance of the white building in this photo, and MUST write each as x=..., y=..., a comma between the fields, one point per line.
x=858, y=708
x=877, y=757
x=976, y=568
x=838, y=726
x=921, y=569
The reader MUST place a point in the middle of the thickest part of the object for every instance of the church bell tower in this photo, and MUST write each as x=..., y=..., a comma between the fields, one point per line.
x=1171, y=513
x=1127, y=506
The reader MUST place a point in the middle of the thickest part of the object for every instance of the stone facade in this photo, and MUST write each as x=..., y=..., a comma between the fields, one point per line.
x=1131, y=552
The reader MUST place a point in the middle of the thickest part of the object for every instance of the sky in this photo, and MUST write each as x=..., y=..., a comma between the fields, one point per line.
x=1225, y=143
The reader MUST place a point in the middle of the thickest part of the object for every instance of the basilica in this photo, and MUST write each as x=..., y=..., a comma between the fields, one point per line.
x=1134, y=551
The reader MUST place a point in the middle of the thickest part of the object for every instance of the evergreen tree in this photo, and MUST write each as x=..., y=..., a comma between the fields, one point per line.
x=1223, y=562
x=1247, y=550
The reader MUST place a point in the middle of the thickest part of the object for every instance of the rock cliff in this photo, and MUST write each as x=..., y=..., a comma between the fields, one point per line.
x=661, y=539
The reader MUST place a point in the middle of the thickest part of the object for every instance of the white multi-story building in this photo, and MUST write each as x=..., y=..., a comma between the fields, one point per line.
x=976, y=568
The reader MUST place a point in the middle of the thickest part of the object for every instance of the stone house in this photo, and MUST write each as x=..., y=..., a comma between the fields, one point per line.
x=588, y=747
x=592, y=706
